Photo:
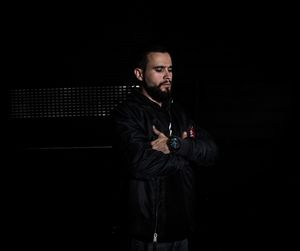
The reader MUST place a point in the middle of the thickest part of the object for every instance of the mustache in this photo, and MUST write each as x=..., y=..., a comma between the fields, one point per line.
x=165, y=82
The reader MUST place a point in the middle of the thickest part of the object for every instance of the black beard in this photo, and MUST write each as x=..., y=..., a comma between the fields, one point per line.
x=157, y=94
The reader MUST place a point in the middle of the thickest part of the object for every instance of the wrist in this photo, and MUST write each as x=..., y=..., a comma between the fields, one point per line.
x=174, y=143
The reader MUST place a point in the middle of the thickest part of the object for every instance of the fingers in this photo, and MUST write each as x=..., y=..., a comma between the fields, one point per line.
x=160, y=145
x=159, y=141
x=184, y=135
x=158, y=133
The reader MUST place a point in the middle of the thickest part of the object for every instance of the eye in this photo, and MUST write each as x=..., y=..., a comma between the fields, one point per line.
x=159, y=69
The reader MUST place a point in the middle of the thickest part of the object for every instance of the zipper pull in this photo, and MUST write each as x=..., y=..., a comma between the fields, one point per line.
x=155, y=242
x=155, y=237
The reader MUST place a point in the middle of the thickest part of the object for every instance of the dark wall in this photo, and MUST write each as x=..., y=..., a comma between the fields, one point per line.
x=234, y=78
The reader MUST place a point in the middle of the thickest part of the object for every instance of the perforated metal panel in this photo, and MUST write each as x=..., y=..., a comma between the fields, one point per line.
x=66, y=101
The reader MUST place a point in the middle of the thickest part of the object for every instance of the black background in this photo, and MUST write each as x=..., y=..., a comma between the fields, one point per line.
x=234, y=73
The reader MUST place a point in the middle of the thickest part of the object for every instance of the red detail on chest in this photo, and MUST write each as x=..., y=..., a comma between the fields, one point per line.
x=191, y=132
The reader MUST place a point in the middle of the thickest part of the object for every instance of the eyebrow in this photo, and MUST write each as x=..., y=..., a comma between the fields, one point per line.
x=161, y=66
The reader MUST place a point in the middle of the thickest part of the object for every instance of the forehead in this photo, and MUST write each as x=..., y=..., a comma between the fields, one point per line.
x=159, y=58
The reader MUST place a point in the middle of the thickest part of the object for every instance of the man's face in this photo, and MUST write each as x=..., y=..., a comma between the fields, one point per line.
x=157, y=77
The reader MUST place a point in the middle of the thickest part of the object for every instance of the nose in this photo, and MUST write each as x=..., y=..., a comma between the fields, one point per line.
x=168, y=75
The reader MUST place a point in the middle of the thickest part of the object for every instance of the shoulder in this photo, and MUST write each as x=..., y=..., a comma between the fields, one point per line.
x=126, y=108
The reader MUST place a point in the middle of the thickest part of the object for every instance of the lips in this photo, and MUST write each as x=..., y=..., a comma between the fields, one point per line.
x=165, y=84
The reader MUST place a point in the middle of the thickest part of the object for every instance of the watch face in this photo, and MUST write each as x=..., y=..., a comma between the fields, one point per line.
x=174, y=143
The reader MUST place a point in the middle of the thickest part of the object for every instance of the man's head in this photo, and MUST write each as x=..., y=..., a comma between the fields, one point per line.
x=154, y=71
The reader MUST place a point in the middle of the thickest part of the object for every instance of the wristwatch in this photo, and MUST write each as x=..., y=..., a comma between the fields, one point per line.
x=174, y=143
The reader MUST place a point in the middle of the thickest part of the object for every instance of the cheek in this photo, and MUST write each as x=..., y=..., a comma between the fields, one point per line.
x=152, y=80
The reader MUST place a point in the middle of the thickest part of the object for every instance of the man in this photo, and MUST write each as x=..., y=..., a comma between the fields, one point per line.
x=160, y=147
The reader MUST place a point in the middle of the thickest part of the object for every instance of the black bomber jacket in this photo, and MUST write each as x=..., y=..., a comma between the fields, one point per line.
x=160, y=187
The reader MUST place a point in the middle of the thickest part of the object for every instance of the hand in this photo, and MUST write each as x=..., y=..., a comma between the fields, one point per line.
x=184, y=135
x=160, y=144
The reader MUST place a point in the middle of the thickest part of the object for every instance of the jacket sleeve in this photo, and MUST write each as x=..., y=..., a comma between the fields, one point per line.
x=133, y=144
x=201, y=150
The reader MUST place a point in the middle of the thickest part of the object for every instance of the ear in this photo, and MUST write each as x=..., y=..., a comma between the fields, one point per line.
x=138, y=73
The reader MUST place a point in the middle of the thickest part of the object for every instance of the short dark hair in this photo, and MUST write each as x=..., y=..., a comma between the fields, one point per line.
x=142, y=60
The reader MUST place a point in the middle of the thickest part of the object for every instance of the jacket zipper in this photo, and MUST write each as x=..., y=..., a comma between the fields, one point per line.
x=170, y=118
x=155, y=235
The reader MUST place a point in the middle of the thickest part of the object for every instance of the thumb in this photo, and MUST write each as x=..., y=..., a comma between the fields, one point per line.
x=155, y=130
x=184, y=135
